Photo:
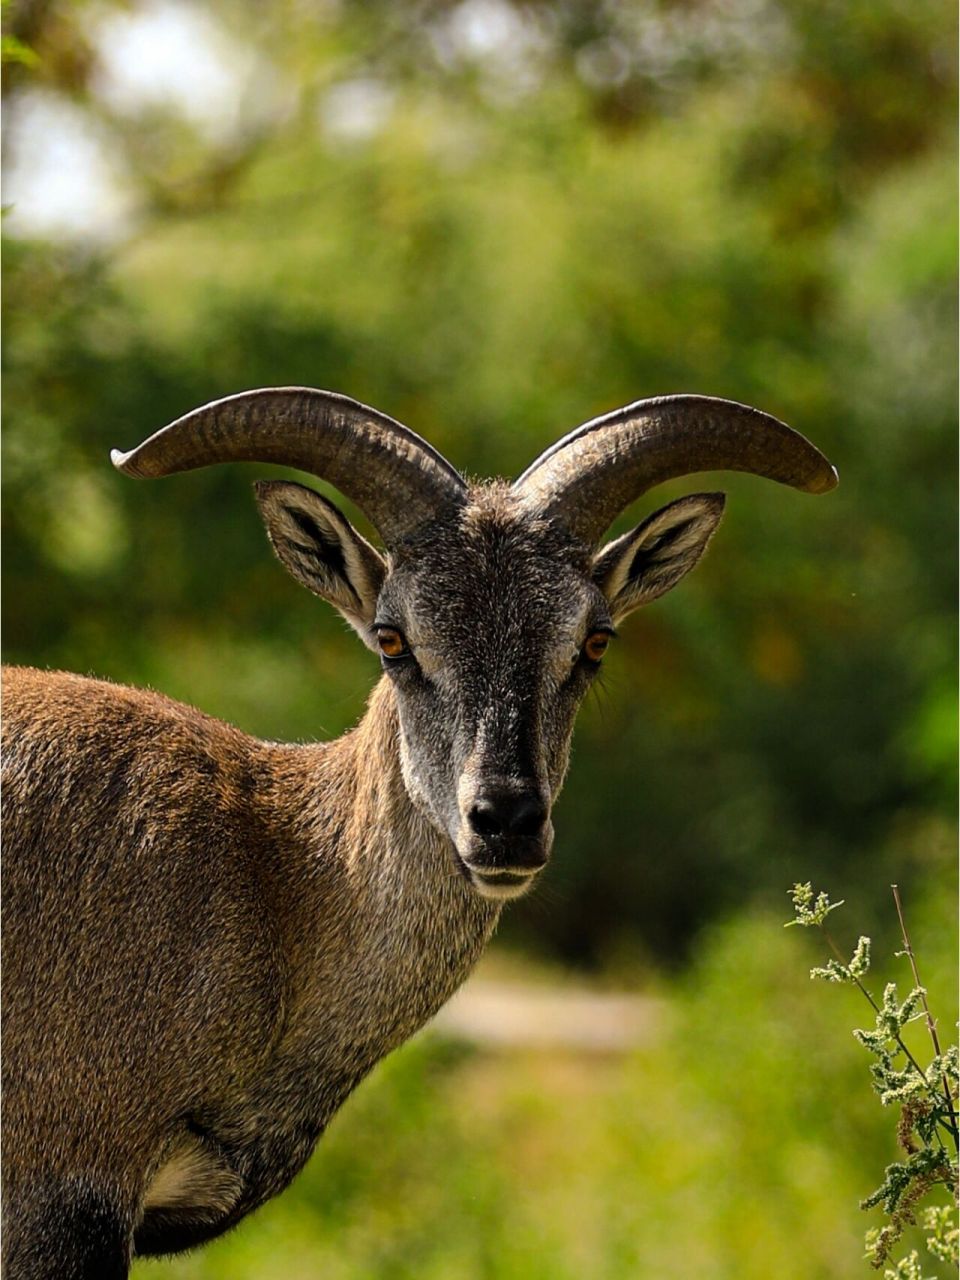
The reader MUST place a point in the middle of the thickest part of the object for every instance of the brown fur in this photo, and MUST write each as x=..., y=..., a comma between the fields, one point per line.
x=231, y=1003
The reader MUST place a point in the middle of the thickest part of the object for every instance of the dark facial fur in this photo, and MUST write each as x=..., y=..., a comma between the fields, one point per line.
x=495, y=606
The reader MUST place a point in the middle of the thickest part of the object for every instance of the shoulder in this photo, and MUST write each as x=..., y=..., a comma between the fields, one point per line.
x=61, y=704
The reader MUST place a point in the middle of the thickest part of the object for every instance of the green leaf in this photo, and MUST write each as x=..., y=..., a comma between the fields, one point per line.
x=14, y=50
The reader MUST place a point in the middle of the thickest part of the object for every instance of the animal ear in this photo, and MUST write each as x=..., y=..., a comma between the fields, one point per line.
x=653, y=557
x=323, y=551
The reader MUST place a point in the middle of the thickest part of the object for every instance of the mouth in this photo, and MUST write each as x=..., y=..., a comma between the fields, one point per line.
x=500, y=884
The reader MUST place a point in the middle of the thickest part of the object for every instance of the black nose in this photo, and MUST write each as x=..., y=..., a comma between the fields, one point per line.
x=507, y=813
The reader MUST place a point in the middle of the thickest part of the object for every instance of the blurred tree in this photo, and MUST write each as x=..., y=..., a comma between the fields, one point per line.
x=495, y=220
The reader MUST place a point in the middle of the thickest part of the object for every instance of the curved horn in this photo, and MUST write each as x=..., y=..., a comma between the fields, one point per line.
x=590, y=476
x=395, y=477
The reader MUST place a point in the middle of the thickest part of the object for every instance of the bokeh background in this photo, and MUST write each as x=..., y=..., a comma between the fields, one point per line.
x=494, y=219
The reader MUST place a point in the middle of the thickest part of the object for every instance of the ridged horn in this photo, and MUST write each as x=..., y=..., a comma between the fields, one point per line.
x=586, y=479
x=396, y=478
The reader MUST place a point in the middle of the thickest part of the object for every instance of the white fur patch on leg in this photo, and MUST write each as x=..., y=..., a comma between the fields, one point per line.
x=193, y=1177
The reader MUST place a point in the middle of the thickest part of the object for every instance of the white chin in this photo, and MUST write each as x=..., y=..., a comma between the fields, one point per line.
x=501, y=888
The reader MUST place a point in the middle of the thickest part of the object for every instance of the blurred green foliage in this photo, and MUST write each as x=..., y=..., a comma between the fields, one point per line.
x=750, y=199
x=540, y=210
x=734, y=1147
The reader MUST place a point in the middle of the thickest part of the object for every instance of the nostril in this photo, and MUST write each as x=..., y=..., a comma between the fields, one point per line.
x=529, y=814
x=484, y=818
x=507, y=813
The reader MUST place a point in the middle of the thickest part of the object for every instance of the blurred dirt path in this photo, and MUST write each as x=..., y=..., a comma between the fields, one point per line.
x=512, y=1015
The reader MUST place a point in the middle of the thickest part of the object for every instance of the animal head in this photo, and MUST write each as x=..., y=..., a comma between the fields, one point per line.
x=492, y=605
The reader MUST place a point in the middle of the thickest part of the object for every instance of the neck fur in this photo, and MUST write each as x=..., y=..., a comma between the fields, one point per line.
x=388, y=928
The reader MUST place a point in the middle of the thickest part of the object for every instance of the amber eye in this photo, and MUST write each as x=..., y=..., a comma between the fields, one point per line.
x=391, y=642
x=595, y=645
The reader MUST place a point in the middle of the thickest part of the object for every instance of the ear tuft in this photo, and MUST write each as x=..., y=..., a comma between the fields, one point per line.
x=652, y=558
x=321, y=549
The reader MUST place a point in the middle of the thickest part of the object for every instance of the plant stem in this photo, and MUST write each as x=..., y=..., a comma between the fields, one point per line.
x=876, y=1008
x=931, y=1025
